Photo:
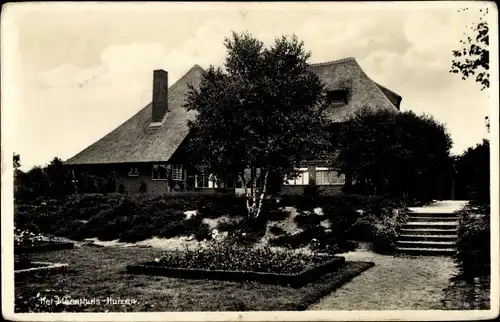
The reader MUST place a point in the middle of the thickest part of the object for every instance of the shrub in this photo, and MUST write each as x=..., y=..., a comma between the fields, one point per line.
x=228, y=225
x=202, y=232
x=312, y=190
x=384, y=231
x=275, y=230
x=248, y=231
x=121, y=188
x=473, y=245
x=143, y=187
x=306, y=221
x=399, y=159
x=275, y=214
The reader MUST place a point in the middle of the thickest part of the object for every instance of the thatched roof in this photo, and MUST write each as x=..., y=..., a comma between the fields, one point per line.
x=362, y=91
x=136, y=141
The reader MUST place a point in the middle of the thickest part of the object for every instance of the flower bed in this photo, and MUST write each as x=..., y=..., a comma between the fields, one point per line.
x=241, y=264
x=28, y=242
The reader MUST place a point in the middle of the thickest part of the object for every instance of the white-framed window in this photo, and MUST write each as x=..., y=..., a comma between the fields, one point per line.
x=133, y=172
x=160, y=172
x=177, y=172
x=208, y=181
x=259, y=179
x=326, y=176
x=202, y=181
x=302, y=179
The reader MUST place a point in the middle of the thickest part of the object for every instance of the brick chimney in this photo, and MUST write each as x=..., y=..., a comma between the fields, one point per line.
x=160, y=95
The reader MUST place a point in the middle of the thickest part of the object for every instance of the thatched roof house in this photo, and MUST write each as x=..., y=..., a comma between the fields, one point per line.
x=154, y=134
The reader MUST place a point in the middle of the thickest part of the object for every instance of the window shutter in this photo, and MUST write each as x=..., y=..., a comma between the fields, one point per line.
x=306, y=177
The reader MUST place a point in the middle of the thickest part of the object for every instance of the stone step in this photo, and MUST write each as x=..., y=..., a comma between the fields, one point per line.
x=428, y=237
x=429, y=231
x=426, y=244
x=432, y=214
x=426, y=251
x=433, y=225
x=433, y=219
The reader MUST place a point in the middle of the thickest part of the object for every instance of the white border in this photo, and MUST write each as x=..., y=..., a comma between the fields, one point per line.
x=9, y=69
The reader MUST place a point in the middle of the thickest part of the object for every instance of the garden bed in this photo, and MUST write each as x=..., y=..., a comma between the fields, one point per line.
x=27, y=269
x=43, y=247
x=240, y=264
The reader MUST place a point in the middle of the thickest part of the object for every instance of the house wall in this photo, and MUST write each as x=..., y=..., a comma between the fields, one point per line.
x=299, y=189
x=327, y=190
x=132, y=184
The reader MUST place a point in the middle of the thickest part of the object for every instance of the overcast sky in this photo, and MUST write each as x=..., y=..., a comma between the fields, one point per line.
x=76, y=72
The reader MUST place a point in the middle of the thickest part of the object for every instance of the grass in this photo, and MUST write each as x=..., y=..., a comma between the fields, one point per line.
x=98, y=273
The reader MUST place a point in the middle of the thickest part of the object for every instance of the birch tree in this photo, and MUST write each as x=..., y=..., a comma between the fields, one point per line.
x=260, y=115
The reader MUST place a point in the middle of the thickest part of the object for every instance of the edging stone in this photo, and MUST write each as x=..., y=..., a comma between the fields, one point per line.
x=294, y=280
x=47, y=269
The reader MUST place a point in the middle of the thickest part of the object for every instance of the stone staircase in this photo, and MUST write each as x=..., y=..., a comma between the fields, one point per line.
x=431, y=230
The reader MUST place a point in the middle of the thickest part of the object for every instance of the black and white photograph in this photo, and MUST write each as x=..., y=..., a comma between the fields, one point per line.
x=251, y=161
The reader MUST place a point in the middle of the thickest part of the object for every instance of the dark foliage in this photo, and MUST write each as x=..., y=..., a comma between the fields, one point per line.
x=143, y=187
x=132, y=218
x=474, y=244
x=399, y=154
x=312, y=191
x=276, y=230
x=474, y=57
x=472, y=178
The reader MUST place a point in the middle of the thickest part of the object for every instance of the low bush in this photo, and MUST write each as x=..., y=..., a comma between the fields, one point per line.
x=385, y=230
x=308, y=220
x=278, y=231
x=473, y=244
x=143, y=187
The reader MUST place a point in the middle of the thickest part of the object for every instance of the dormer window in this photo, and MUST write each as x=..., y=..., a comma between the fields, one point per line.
x=337, y=97
x=133, y=172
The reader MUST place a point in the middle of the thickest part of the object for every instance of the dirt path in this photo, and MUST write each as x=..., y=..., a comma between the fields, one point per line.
x=395, y=282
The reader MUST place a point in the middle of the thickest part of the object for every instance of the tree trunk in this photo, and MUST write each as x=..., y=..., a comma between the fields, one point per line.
x=263, y=194
x=254, y=192
x=243, y=182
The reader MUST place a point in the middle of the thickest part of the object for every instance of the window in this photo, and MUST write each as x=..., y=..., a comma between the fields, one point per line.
x=337, y=97
x=202, y=181
x=208, y=181
x=177, y=173
x=159, y=172
x=133, y=172
x=302, y=179
x=325, y=176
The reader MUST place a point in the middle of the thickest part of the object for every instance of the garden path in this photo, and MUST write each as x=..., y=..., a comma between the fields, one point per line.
x=398, y=282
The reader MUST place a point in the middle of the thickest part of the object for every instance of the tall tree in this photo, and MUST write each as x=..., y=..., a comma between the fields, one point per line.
x=260, y=115
x=401, y=154
x=17, y=161
x=473, y=172
x=474, y=57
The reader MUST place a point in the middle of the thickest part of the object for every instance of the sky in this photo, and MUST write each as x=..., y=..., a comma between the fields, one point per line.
x=77, y=71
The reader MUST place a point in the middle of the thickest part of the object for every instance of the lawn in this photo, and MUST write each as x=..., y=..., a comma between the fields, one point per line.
x=97, y=273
